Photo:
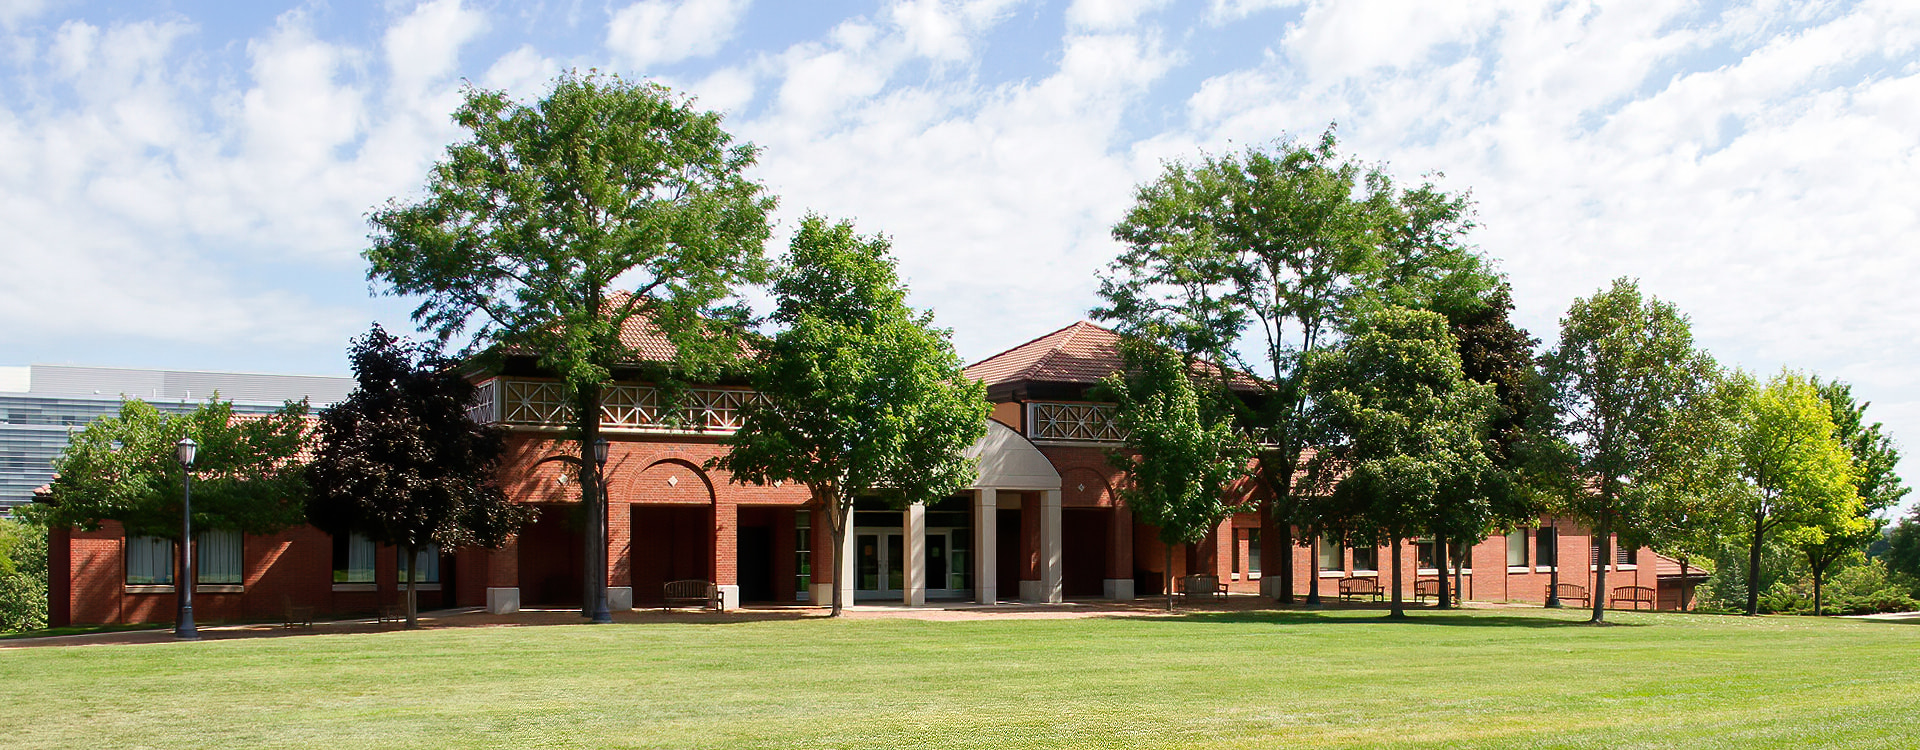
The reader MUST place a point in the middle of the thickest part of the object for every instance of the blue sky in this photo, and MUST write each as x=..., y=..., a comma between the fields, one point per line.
x=185, y=184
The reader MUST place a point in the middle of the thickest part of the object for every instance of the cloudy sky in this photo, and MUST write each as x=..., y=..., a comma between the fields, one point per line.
x=185, y=184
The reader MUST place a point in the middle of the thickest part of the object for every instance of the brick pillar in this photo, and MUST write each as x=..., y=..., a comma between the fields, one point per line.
x=620, y=543
x=821, y=592
x=1119, y=578
x=726, y=552
x=1273, y=555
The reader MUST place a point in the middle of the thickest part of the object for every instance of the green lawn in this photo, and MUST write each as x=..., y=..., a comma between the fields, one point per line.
x=1479, y=679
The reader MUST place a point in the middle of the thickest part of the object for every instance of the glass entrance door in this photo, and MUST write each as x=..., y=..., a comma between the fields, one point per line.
x=880, y=563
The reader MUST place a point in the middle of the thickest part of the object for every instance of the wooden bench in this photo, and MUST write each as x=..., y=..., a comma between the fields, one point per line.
x=1570, y=591
x=297, y=616
x=1426, y=587
x=692, y=593
x=1636, y=596
x=1356, y=586
x=1202, y=586
x=393, y=613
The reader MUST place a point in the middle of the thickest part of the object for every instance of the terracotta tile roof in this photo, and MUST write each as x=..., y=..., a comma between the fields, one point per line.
x=641, y=337
x=1079, y=353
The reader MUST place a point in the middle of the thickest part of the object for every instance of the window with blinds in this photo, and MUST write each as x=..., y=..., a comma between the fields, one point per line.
x=217, y=558
x=149, y=561
x=352, y=559
x=429, y=559
x=1517, y=549
x=1330, y=554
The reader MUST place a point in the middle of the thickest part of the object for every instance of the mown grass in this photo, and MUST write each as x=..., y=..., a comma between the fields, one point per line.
x=1475, y=679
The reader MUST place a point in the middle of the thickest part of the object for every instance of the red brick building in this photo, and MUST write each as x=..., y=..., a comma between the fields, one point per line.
x=1042, y=523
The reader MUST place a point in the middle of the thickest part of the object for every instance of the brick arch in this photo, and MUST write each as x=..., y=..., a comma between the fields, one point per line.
x=673, y=481
x=1082, y=487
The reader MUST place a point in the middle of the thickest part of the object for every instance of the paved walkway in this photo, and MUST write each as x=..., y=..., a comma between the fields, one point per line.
x=476, y=617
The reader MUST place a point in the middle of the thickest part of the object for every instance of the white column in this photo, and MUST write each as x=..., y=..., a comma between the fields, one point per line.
x=1050, y=584
x=914, y=521
x=844, y=578
x=986, y=552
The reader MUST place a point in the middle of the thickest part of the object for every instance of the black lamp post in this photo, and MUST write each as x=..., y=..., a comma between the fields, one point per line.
x=598, y=553
x=183, y=629
x=1553, y=573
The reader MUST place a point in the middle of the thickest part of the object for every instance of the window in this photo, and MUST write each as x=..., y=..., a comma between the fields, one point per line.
x=1625, y=555
x=1366, y=558
x=802, y=552
x=352, y=559
x=149, y=561
x=1546, y=544
x=429, y=557
x=1456, y=556
x=1330, y=557
x=1517, y=549
x=218, y=559
x=1253, y=551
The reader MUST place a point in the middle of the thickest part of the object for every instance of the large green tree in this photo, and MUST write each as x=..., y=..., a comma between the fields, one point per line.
x=121, y=467
x=1626, y=382
x=1409, y=430
x=859, y=395
x=401, y=463
x=1269, y=252
x=555, y=225
x=1878, y=487
x=1182, y=452
x=1799, y=477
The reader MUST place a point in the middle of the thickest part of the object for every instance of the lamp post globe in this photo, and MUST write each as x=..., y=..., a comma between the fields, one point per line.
x=185, y=452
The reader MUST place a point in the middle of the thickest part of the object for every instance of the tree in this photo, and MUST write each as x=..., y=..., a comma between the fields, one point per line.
x=1286, y=242
x=859, y=396
x=1625, y=382
x=402, y=464
x=1878, y=487
x=1799, y=478
x=556, y=224
x=246, y=477
x=23, y=576
x=1181, y=452
x=1409, y=429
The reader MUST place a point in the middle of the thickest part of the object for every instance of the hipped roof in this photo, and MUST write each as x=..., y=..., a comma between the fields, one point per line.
x=1081, y=353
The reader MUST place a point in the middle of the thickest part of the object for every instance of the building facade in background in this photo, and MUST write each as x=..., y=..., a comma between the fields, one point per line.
x=41, y=404
x=1043, y=522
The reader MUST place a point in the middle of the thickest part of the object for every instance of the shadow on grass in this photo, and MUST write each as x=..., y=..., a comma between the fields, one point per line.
x=1380, y=617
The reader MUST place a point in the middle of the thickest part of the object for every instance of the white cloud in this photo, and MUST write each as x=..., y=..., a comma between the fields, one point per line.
x=1109, y=15
x=523, y=73
x=655, y=32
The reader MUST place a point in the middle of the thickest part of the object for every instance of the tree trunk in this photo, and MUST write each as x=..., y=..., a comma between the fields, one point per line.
x=1168, y=549
x=587, y=420
x=1313, y=572
x=1459, y=575
x=413, y=588
x=1603, y=536
x=1753, y=567
x=1285, y=595
x=1399, y=606
x=1818, y=578
x=841, y=528
x=1440, y=571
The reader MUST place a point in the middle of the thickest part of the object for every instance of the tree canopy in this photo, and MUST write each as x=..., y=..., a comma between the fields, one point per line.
x=246, y=477
x=557, y=225
x=1408, y=430
x=402, y=464
x=1181, y=451
x=1626, y=383
x=1272, y=251
x=1799, y=477
x=859, y=395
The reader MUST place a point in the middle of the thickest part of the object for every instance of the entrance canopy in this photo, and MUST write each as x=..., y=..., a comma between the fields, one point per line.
x=1007, y=461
